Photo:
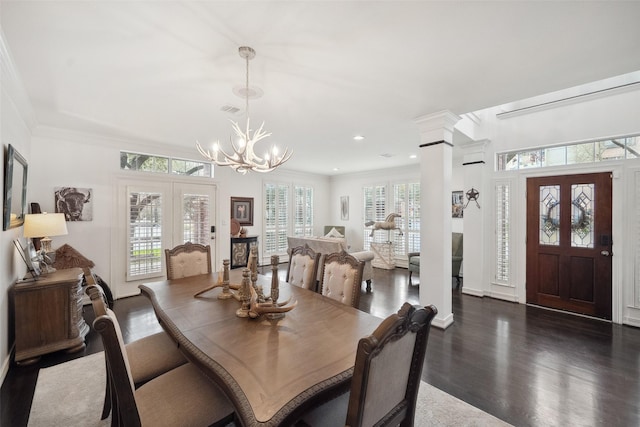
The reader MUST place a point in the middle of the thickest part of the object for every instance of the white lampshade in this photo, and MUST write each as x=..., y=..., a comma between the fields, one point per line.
x=45, y=225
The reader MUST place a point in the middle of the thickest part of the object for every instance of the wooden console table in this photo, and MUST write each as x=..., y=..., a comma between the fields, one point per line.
x=48, y=315
x=240, y=247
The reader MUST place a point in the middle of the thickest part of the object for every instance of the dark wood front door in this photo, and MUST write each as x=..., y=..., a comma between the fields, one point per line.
x=569, y=243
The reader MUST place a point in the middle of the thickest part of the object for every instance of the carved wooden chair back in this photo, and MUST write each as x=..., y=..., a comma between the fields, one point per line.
x=341, y=278
x=389, y=362
x=100, y=305
x=118, y=370
x=303, y=267
x=188, y=259
x=180, y=396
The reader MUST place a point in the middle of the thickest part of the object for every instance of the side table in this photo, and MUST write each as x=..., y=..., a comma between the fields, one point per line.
x=48, y=315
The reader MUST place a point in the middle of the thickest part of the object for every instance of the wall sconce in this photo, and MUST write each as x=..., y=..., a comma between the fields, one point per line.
x=472, y=195
x=45, y=225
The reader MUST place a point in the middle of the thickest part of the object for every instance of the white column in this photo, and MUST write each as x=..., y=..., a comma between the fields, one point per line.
x=436, y=136
x=474, y=245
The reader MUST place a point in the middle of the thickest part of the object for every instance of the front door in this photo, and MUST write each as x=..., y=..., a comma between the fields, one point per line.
x=569, y=243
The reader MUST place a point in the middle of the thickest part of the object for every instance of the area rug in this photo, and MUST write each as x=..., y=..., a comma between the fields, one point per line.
x=71, y=393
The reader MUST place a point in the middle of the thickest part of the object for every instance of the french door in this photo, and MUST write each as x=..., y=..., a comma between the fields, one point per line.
x=569, y=243
x=158, y=216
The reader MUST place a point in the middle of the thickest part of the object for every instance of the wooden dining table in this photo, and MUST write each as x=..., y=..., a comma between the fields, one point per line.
x=271, y=370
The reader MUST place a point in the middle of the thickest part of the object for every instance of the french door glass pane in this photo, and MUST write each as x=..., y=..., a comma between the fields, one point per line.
x=145, y=234
x=195, y=211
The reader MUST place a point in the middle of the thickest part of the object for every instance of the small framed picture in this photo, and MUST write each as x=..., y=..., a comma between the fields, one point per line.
x=457, y=202
x=242, y=210
x=344, y=208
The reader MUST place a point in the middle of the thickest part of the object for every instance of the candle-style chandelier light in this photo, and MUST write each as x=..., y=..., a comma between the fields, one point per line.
x=244, y=157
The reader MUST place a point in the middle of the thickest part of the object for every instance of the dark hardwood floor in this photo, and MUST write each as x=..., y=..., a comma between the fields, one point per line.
x=525, y=365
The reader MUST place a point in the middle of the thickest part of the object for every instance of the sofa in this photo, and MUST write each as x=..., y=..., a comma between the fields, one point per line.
x=456, y=259
x=328, y=245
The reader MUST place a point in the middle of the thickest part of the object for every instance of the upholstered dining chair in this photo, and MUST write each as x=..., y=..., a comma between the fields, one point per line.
x=341, y=278
x=149, y=357
x=303, y=267
x=188, y=259
x=182, y=396
x=386, y=376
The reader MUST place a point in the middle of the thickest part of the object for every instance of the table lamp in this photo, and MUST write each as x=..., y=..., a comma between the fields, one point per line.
x=45, y=225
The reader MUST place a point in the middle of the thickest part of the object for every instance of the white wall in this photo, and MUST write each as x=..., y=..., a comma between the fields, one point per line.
x=597, y=117
x=14, y=129
x=61, y=158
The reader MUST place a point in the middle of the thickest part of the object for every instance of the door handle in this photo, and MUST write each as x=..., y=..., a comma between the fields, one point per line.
x=605, y=253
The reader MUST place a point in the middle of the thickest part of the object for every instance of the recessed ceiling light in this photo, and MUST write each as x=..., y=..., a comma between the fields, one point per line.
x=413, y=156
x=358, y=137
x=336, y=169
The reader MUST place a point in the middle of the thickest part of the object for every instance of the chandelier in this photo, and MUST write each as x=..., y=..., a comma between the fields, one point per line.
x=244, y=157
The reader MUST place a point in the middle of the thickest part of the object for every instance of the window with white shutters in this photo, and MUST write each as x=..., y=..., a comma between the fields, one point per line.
x=276, y=219
x=406, y=202
x=195, y=218
x=303, y=205
x=502, y=224
x=144, y=242
x=374, y=199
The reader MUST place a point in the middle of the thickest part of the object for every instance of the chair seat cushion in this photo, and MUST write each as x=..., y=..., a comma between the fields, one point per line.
x=152, y=356
x=414, y=260
x=182, y=394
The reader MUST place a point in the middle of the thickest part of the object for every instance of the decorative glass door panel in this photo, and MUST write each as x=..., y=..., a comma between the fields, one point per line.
x=582, y=215
x=569, y=243
x=549, y=215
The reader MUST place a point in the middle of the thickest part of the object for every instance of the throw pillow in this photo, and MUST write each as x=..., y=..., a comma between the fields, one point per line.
x=333, y=233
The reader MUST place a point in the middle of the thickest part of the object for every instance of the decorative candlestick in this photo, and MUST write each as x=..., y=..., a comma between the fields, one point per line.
x=275, y=287
x=245, y=294
x=226, y=293
x=253, y=266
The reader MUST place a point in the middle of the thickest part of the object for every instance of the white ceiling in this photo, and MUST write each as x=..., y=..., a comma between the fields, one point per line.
x=161, y=70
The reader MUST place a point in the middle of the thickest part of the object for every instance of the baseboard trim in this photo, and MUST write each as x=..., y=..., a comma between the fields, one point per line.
x=443, y=323
x=472, y=292
x=6, y=364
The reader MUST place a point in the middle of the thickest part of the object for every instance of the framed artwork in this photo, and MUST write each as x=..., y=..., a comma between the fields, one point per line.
x=75, y=203
x=344, y=207
x=457, y=203
x=15, y=189
x=242, y=210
